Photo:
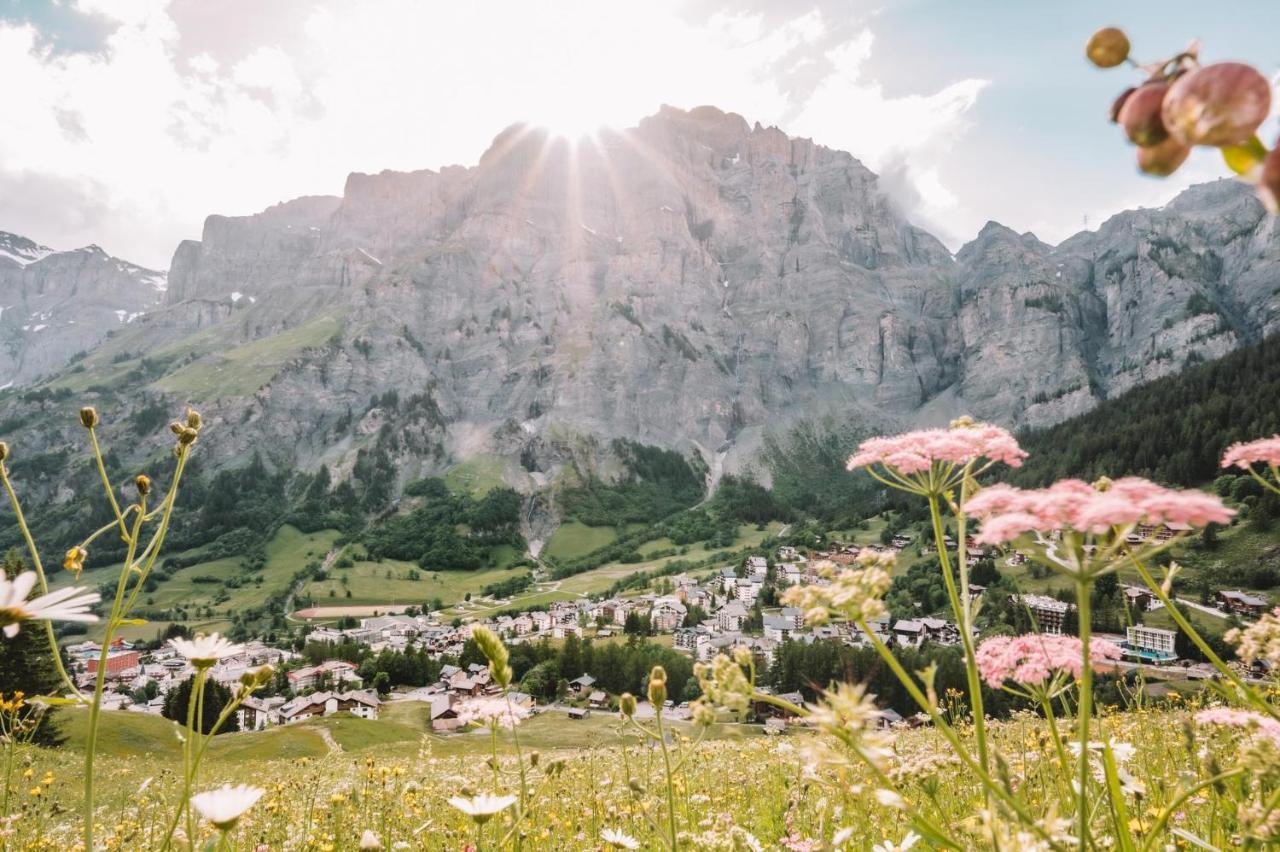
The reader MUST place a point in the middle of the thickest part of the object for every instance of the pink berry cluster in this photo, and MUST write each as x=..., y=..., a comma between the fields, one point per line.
x=1182, y=104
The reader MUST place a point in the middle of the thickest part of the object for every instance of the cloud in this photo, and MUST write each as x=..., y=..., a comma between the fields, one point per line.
x=181, y=113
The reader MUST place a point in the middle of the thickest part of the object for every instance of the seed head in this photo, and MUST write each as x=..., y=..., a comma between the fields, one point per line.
x=88, y=417
x=193, y=418
x=142, y=482
x=627, y=704
x=4, y=450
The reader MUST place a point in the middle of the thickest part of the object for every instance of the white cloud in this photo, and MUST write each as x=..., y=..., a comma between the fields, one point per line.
x=150, y=140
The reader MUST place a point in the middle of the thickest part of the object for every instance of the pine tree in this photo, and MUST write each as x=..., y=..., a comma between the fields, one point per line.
x=216, y=697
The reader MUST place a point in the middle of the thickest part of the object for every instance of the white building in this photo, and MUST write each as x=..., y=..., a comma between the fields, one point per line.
x=1150, y=644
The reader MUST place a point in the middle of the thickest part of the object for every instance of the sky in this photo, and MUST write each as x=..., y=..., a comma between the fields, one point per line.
x=126, y=122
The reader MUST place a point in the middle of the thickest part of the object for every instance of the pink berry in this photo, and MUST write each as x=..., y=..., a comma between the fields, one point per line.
x=1140, y=115
x=1220, y=104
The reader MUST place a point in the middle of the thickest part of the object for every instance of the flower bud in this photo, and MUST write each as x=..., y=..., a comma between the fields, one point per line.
x=142, y=482
x=88, y=417
x=4, y=450
x=627, y=704
x=176, y=428
x=187, y=436
x=193, y=418
x=1108, y=47
x=963, y=422
x=1219, y=104
x=658, y=687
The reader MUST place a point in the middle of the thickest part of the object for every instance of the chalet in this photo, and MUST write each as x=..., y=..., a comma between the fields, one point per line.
x=1139, y=600
x=444, y=713
x=358, y=703
x=581, y=684
x=598, y=699
x=908, y=632
x=1243, y=602
x=577, y=713
x=787, y=553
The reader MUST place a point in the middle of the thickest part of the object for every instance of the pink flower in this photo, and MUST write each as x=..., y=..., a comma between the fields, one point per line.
x=915, y=452
x=1266, y=450
x=1070, y=504
x=1228, y=717
x=1031, y=659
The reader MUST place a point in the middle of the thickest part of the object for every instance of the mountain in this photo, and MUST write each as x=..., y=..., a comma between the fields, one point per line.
x=694, y=283
x=54, y=304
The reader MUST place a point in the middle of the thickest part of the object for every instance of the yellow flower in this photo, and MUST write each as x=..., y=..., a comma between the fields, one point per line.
x=74, y=560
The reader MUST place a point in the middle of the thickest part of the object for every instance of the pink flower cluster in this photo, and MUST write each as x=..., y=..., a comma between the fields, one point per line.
x=1031, y=659
x=1229, y=717
x=497, y=711
x=1266, y=450
x=1008, y=512
x=915, y=452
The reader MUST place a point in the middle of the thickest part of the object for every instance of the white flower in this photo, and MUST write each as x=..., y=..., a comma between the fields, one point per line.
x=69, y=604
x=619, y=840
x=224, y=807
x=204, y=651
x=907, y=842
x=889, y=799
x=369, y=840
x=481, y=808
x=841, y=837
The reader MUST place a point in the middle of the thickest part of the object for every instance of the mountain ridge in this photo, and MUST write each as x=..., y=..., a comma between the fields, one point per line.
x=695, y=282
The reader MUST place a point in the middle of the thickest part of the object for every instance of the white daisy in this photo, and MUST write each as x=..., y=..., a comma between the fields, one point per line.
x=619, y=840
x=204, y=651
x=69, y=604
x=482, y=808
x=224, y=807
x=907, y=842
x=370, y=840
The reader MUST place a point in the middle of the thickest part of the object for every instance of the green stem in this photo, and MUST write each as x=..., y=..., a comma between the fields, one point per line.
x=1084, y=711
x=963, y=618
x=95, y=708
x=1056, y=736
x=106, y=484
x=671, y=795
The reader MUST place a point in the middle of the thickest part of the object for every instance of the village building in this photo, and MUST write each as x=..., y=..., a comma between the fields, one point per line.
x=332, y=673
x=358, y=703
x=1049, y=613
x=1243, y=603
x=1149, y=644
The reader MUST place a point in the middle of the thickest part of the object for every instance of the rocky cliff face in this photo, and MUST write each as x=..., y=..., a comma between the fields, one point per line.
x=55, y=304
x=691, y=283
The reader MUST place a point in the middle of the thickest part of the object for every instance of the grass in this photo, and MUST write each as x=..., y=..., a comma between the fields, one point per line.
x=574, y=539
x=477, y=475
x=244, y=369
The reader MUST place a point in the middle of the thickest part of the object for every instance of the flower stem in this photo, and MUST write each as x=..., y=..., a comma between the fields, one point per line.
x=671, y=795
x=965, y=621
x=1084, y=710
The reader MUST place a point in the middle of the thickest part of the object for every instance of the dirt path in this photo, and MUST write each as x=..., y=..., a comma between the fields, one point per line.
x=334, y=745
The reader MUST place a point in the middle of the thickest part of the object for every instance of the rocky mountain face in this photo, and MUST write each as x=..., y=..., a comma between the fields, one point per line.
x=55, y=304
x=692, y=282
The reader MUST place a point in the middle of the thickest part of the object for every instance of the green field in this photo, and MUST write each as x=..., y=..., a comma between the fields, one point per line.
x=574, y=539
x=287, y=552
x=389, y=581
x=476, y=476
